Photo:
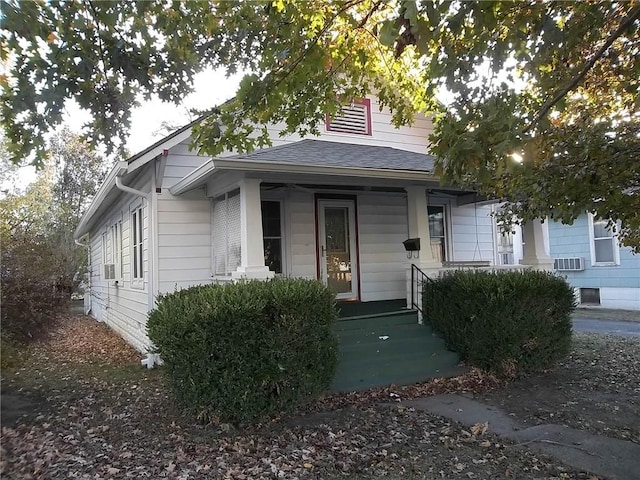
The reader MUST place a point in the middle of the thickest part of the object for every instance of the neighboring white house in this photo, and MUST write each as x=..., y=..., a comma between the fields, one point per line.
x=336, y=208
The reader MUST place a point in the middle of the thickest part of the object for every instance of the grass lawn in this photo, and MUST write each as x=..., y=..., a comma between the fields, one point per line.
x=85, y=409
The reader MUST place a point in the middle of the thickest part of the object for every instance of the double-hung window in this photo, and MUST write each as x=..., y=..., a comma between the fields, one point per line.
x=437, y=232
x=137, y=260
x=604, y=245
x=116, y=248
x=272, y=235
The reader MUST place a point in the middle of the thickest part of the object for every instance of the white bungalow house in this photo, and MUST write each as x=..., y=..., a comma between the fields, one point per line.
x=337, y=208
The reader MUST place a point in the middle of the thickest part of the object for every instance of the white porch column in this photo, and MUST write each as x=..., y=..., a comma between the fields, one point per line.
x=534, y=253
x=251, y=240
x=418, y=220
x=419, y=227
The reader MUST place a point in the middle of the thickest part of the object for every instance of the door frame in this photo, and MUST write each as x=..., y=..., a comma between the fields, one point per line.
x=355, y=257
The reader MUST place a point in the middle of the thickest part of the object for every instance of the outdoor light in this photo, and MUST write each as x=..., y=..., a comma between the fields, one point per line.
x=517, y=157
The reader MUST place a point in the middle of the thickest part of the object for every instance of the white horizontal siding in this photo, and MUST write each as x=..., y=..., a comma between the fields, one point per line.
x=623, y=298
x=472, y=229
x=413, y=138
x=184, y=240
x=302, y=238
x=123, y=307
x=382, y=227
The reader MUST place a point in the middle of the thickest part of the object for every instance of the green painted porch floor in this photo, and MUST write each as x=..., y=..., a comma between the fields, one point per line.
x=356, y=309
x=386, y=348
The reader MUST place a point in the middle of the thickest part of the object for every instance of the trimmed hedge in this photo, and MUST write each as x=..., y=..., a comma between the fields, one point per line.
x=240, y=352
x=512, y=323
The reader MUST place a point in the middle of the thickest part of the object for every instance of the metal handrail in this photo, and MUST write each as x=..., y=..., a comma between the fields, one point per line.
x=418, y=279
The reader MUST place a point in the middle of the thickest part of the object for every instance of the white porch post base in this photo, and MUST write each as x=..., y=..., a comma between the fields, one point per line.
x=252, y=273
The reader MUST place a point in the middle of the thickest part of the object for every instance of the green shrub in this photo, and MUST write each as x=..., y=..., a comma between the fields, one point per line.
x=240, y=352
x=512, y=323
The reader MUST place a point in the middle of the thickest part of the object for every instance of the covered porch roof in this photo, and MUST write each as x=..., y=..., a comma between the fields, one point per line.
x=324, y=163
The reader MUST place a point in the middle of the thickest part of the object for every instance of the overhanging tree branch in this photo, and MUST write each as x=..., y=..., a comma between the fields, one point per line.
x=626, y=23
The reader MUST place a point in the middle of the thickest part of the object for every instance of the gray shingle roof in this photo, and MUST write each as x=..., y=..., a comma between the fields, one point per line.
x=320, y=152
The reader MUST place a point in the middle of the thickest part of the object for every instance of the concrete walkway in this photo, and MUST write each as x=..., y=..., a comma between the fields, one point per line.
x=612, y=327
x=604, y=456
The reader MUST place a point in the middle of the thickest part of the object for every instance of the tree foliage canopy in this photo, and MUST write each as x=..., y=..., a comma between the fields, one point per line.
x=554, y=82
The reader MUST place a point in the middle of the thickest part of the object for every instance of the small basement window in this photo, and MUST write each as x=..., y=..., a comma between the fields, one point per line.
x=355, y=119
x=590, y=295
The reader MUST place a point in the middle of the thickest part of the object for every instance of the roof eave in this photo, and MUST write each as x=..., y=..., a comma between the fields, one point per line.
x=193, y=180
x=120, y=168
x=157, y=149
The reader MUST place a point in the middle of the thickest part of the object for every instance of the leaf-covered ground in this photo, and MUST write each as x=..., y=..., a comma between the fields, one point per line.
x=94, y=413
x=596, y=388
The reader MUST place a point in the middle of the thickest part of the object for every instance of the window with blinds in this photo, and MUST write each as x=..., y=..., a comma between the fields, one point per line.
x=355, y=119
x=226, y=233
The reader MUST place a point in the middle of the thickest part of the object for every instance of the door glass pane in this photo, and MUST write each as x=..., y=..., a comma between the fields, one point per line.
x=337, y=242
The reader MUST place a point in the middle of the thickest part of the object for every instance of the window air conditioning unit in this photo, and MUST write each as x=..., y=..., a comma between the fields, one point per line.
x=569, y=264
x=109, y=271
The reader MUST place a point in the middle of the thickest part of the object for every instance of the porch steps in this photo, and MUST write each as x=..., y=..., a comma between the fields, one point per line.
x=389, y=348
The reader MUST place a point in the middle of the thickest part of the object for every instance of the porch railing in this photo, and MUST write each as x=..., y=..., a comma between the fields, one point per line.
x=418, y=280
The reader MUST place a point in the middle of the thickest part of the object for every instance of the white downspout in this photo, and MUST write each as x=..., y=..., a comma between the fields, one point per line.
x=151, y=359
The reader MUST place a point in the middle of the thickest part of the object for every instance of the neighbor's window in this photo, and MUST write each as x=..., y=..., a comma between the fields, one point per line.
x=355, y=118
x=137, y=271
x=437, y=232
x=590, y=295
x=272, y=235
x=604, y=246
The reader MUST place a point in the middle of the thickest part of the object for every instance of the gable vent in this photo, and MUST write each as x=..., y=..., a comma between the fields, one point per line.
x=355, y=119
x=570, y=264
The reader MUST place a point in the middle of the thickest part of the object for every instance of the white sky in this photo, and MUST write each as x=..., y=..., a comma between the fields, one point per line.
x=210, y=88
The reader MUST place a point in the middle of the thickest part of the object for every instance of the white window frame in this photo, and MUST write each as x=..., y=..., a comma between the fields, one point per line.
x=136, y=239
x=115, y=236
x=592, y=244
x=446, y=210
